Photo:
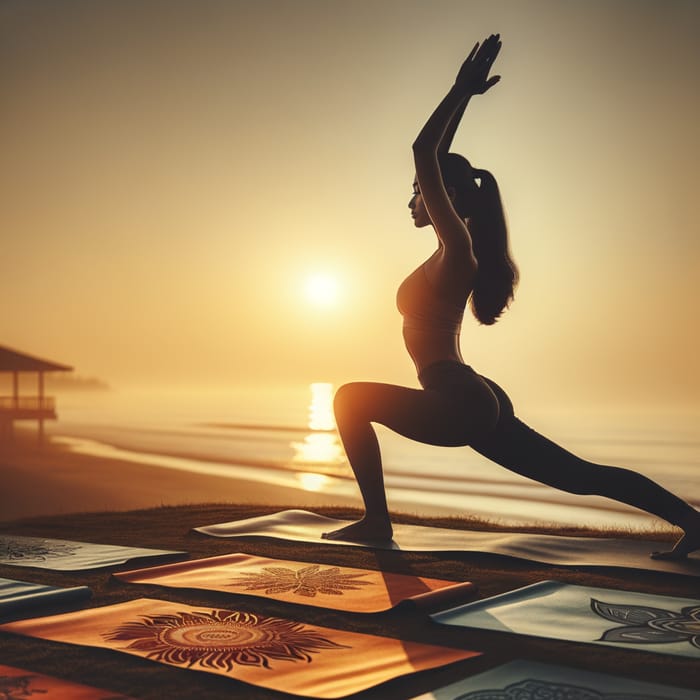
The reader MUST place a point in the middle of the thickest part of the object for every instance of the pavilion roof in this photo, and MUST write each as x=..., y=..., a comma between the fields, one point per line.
x=14, y=361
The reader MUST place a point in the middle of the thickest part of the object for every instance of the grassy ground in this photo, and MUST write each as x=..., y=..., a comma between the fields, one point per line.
x=170, y=528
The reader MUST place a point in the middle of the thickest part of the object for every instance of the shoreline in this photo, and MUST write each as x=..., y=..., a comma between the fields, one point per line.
x=49, y=479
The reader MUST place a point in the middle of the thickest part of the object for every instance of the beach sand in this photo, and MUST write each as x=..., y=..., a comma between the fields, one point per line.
x=49, y=479
x=41, y=484
x=170, y=528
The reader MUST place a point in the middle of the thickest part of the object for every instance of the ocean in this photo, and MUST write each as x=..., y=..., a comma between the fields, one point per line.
x=286, y=436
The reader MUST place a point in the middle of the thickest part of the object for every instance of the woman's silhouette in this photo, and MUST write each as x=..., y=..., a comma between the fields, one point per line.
x=457, y=406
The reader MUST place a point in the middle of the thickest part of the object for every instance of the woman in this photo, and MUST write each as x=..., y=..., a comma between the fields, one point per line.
x=457, y=406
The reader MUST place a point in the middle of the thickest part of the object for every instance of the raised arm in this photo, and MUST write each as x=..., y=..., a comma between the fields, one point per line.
x=435, y=138
x=451, y=128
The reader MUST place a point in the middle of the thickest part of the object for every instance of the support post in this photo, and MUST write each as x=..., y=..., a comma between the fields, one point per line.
x=41, y=406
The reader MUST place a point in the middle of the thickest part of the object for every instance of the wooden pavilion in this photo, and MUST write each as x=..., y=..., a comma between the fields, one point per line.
x=36, y=407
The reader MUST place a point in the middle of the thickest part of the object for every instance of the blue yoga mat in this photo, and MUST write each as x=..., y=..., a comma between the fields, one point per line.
x=20, y=595
x=585, y=614
x=523, y=680
x=65, y=555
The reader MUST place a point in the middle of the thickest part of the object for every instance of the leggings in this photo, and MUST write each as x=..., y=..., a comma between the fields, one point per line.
x=515, y=446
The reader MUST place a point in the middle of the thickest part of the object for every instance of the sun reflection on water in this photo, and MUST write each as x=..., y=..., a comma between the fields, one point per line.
x=321, y=406
x=310, y=481
x=321, y=450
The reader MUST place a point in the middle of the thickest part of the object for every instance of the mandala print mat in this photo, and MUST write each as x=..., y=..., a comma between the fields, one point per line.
x=271, y=652
x=21, y=596
x=16, y=683
x=64, y=555
x=585, y=614
x=593, y=552
x=339, y=588
x=527, y=680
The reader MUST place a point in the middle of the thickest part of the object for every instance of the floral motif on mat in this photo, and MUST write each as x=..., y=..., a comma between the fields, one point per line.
x=308, y=581
x=12, y=687
x=221, y=639
x=15, y=687
x=546, y=690
x=647, y=625
x=30, y=549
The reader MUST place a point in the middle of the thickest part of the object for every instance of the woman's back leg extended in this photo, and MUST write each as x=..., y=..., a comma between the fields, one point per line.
x=520, y=449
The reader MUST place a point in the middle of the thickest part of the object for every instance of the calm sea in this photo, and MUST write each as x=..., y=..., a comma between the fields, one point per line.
x=287, y=437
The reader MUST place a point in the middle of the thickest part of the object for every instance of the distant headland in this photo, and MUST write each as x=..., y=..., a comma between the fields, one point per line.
x=74, y=382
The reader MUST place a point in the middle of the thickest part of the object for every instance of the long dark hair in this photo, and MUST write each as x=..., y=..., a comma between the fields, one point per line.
x=497, y=274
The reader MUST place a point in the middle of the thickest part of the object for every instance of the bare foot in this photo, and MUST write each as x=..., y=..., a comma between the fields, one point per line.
x=688, y=543
x=365, y=530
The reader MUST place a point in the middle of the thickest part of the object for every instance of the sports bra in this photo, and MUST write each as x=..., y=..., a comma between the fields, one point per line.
x=423, y=309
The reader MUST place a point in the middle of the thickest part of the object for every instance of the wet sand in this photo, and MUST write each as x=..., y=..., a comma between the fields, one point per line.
x=49, y=479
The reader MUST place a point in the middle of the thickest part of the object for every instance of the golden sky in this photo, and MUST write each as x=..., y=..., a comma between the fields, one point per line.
x=173, y=172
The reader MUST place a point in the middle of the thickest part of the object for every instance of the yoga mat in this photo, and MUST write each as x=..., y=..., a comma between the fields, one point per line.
x=274, y=653
x=339, y=588
x=584, y=614
x=529, y=680
x=16, y=683
x=305, y=526
x=64, y=555
x=19, y=595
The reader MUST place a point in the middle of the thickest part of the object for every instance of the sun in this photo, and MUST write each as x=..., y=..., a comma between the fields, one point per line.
x=321, y=289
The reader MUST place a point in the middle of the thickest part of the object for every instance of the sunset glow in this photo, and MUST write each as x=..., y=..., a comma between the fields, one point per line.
x=221, y=200
x=321, y=289
x=321, y=446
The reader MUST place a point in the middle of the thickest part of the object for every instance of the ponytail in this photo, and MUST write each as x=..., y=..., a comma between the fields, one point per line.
x=497, y=274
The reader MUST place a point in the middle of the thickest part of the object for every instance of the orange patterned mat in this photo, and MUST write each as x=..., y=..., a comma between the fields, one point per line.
x=339, y=588
x=271, y=652
x=16, y=683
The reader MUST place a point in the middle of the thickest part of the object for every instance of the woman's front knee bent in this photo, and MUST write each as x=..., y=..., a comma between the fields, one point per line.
x=347, y=399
